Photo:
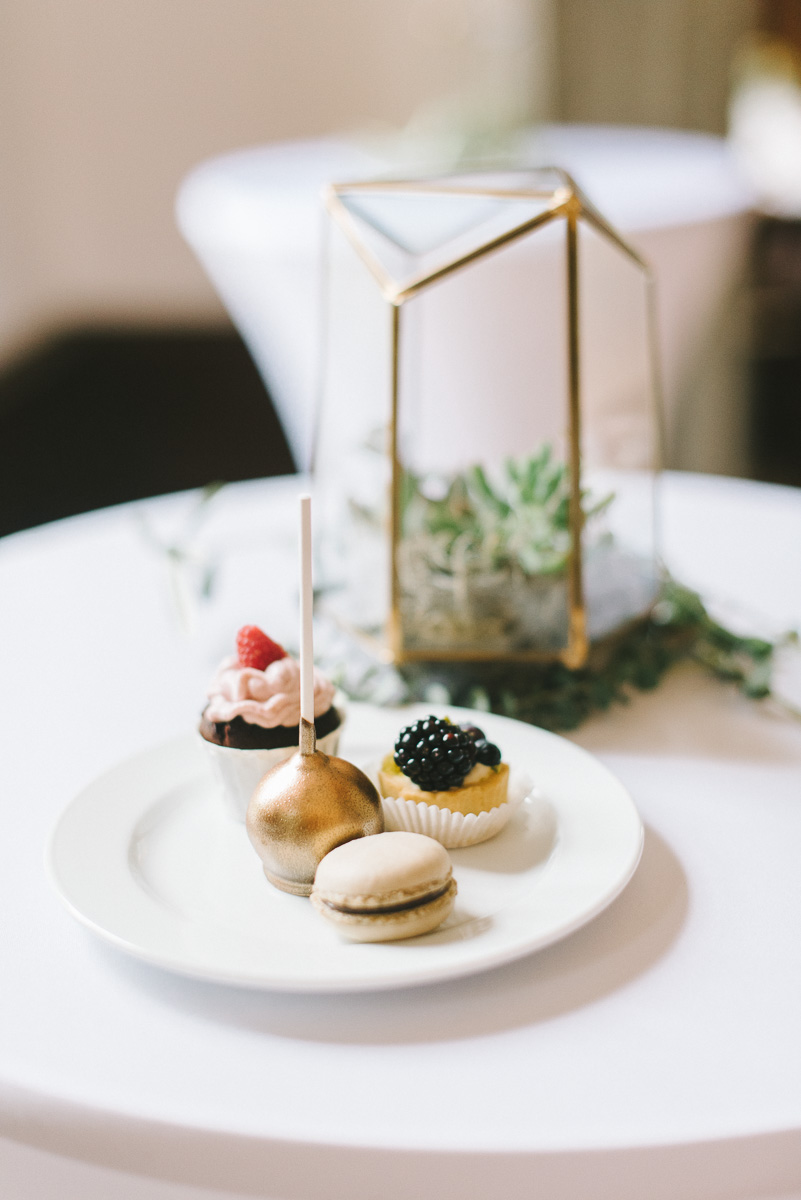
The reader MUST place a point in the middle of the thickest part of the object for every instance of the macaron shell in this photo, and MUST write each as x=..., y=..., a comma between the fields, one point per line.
x=384, y=869
x=389, y=927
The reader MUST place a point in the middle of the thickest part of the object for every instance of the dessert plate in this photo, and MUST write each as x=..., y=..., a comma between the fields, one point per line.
x=147, y=858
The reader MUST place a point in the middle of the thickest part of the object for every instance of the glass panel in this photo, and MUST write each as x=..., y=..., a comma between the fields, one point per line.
x=620, y=434
x=482, y=424
x=548, y=182
x=408, y=235
x=351, y=458
x=419, y=224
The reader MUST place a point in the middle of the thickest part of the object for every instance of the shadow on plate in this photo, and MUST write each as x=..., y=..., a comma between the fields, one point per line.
x=527, y=841
x=626, y=940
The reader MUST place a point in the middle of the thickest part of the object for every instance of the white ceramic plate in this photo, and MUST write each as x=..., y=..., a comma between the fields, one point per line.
x=146, y=858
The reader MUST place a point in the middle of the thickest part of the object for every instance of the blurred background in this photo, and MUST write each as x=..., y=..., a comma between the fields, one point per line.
x=121, y=374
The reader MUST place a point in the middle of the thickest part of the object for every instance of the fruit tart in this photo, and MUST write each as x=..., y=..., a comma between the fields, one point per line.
x=446, y=781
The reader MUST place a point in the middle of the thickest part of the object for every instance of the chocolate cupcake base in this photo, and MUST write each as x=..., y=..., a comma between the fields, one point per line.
x=239, y=734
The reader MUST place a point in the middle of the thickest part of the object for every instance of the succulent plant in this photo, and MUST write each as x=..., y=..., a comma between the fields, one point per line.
x=518, y=518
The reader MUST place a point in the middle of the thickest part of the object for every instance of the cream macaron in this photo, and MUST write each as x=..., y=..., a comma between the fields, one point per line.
x=385, y=887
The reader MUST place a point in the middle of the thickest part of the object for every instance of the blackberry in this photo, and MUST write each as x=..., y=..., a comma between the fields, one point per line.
x=435, y=754
x=476, y=734
x=487, y=753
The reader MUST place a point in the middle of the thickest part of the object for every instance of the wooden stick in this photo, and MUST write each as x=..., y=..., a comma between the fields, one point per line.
x=308, y=740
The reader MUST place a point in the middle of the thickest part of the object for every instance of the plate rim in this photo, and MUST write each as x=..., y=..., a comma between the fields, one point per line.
x=183, y=746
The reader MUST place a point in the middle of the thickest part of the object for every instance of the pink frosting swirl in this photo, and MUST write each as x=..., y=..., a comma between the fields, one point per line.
x=268, y=698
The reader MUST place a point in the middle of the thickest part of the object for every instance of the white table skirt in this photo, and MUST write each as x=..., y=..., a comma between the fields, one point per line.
x=254, y=218
x=655, y=1053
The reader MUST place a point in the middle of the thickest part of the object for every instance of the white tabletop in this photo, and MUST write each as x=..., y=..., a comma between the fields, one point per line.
x=654, y=1053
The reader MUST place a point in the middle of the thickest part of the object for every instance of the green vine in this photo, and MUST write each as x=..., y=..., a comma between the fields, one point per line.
x=557, y=698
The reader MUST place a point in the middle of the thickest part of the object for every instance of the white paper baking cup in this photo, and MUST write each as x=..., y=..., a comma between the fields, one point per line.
x=452, y=829
x=238, y=771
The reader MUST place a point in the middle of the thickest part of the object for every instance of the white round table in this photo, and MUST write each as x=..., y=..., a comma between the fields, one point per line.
x=655, y=1053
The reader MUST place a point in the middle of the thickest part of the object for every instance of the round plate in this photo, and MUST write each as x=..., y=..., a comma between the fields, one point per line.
x=147, y=858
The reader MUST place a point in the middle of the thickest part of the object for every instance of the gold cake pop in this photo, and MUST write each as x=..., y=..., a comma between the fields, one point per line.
x=310, y=803
x=306, y=806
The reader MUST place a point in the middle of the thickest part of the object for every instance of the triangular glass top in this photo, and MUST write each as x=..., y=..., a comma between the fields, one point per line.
x=419, y=224
x=408, y=233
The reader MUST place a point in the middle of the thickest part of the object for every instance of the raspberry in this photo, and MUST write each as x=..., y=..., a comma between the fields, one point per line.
x=255, y=649
x=435, y=754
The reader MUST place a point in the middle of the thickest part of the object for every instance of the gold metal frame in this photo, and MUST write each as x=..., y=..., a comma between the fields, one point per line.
x=567, y=202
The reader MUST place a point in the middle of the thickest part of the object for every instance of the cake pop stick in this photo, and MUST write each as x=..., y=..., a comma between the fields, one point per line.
x=311, y=803
x=308, y=740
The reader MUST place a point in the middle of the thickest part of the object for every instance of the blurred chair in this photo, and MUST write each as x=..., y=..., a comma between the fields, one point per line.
x=98, y=417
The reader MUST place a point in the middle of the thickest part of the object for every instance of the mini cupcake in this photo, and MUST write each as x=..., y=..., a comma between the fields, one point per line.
x=251, y=720
x=446, y=781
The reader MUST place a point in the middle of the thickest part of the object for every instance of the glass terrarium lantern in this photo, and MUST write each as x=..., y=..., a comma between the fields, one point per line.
x=488, y=438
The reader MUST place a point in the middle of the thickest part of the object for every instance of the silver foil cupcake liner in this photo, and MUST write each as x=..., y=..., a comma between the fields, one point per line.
x=237, y=772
